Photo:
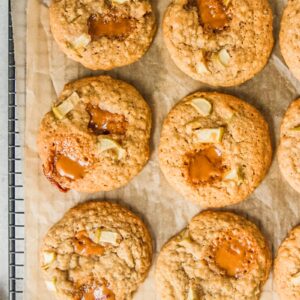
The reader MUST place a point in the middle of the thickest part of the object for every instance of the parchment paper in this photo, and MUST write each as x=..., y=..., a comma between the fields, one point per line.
x=274, y=206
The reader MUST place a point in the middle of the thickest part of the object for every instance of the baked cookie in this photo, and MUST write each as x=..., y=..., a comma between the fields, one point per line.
x=219, y=255
x=103, y=34
x=288, y=37
x=287, y=267
x=98, y=250
x=96, y=138
x=288, y=150
x=214, y=149
x=219, y=42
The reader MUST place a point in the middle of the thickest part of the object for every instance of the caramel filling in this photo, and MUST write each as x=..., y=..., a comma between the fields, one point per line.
x=98, y=293
x=85, y=246
x=234, y=257
x=69, y=168
x=205, y=165
x=95, y=290
x=212, y=13
x=98, y=27
x=104, y=122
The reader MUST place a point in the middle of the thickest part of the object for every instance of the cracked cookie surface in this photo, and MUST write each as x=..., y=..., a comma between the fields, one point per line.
x=77, y=267
x=287, y=266
x=220, y=255
x=225, y=168
x=102, y=34
x=288, y=36
x=96, y=138
x=288, y=150
x=221, y=43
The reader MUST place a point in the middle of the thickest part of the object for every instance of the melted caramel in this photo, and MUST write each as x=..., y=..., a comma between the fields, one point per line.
x=69, y=168
x=234, y=257
x=205, y=165
x=95, y=290
x=85, y=246
x=49, y=172
x=98, y=293
x=104, y=122
x=111, y=28
x=212, y=13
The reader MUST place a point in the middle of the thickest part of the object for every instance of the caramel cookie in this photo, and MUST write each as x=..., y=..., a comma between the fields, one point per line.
x=287, y=266
x=214, y=149
x=98, y=250
x=288, y=150
x=219, y=42
x=288, y=36
x=220, y=255
x=96, y=138
x=103, y=34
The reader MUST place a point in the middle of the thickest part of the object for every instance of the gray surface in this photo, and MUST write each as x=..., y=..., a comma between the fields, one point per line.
x=3, y=148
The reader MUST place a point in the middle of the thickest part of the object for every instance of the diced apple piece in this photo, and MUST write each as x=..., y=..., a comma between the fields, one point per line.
x=201, y=68
x=48, y=258
x=210, y=135
x=296, y=279
x=224, y=57
x=51, y=285
x=105, y=144
x=297, y=128
x=226, y=2
x=234, y=175
x=192, y=294
x=94, y=235
x=82, y=41
x=202, y=105
x=108, y=237
x=193, y=125
x=66, y=106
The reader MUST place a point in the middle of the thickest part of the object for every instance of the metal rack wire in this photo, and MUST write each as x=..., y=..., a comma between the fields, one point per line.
x=15, y=183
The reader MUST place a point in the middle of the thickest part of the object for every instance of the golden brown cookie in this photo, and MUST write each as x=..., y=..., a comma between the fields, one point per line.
x=287, y=267
x=214, y=149
x=98, y=250
x=219, y=42
x=288, y=37
x=103, y=34
x=96, y=138
x=219, y=255
x=288, y=150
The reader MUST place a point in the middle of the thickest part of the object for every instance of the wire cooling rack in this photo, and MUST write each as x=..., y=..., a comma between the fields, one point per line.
x=15, y=185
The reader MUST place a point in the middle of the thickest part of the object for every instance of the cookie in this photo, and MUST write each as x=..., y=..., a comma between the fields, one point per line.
x=288, y=36
x=288, y=150
x=214, y=149
x=102, y=34
x=220, y=255
x=98, y=250
x=287, y=266
x=219, y=42
x=96, y=138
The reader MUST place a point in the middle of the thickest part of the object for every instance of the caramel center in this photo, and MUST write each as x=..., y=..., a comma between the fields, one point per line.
x=85, y=246
x=232, y=256
x=69, y=168
x=98, y=27
x=212, y=13
x=104, y=122
x=94, y=290
x=98, y=293
x=205, y=165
